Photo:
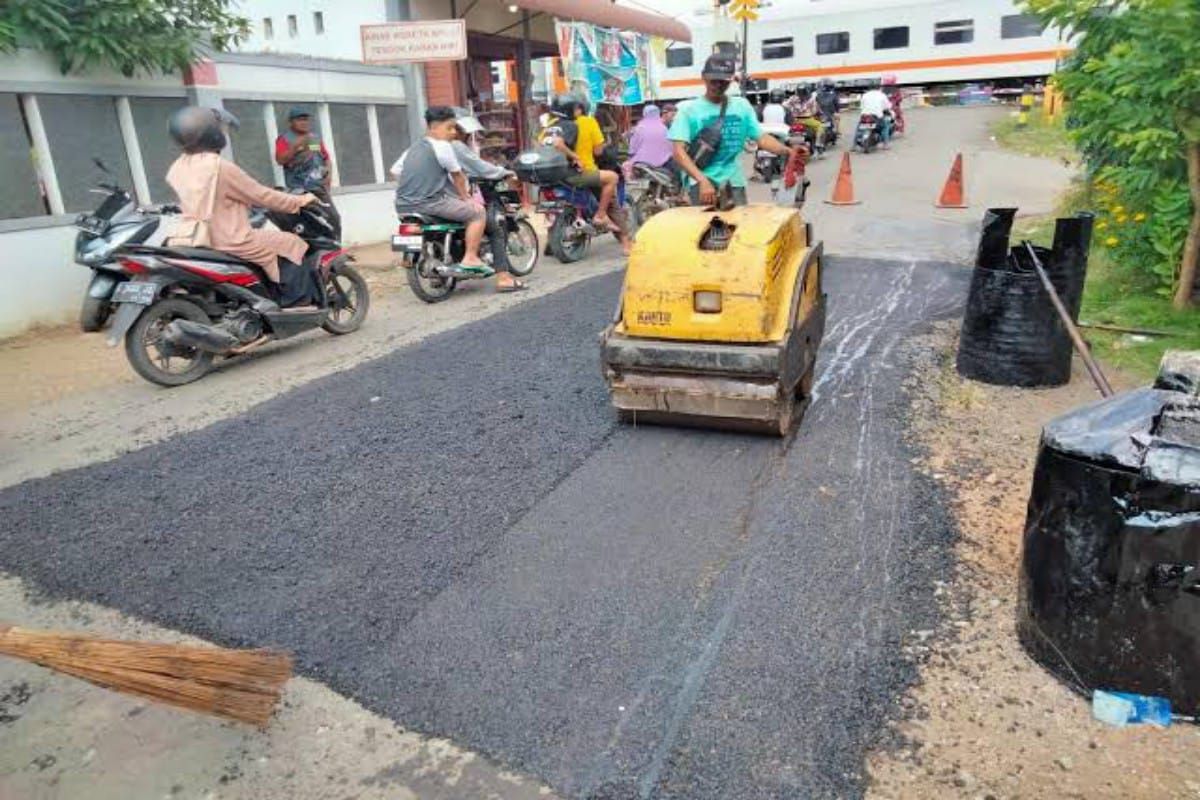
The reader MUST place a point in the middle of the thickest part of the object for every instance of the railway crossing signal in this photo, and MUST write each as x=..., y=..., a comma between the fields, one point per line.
x=744, y=10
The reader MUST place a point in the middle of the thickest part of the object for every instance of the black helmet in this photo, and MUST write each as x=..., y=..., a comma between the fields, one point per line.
x=826, y=83
x=201, y=130
x=777, y=95
x=565, y=104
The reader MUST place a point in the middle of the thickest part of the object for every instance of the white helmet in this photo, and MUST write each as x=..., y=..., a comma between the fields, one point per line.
x=466, y=121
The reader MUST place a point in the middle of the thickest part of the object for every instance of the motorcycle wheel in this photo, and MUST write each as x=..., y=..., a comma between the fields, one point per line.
x=148, y=361
x=349, y=300
x=94, y=313
x=524, y=249
x=644, y=207
x=566, y=242
x=425, y=283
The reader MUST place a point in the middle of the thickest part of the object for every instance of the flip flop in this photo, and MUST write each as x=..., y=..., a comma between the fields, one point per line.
x=515, y=286
x=470, y=270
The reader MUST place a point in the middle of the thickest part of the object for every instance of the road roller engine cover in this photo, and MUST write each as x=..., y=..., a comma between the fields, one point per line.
x=719, y=322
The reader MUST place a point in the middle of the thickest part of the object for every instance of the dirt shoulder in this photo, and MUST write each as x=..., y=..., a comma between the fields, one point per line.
x=986, y=721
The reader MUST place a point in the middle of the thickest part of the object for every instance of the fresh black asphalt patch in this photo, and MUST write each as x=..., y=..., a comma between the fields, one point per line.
x=459, y=536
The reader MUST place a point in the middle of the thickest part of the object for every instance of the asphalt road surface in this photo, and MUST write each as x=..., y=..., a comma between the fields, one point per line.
x=459, y=536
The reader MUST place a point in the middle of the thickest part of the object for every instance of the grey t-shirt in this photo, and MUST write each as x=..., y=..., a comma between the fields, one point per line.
x=424, y=173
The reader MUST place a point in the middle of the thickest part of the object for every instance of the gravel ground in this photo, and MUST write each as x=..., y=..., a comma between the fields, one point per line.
x=457, y=535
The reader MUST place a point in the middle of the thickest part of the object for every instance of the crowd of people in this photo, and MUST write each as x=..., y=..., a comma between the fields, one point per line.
x=701, y=140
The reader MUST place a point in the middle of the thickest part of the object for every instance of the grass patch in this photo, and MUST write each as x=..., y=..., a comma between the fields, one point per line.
x=1040, y=137
x=1122, y=296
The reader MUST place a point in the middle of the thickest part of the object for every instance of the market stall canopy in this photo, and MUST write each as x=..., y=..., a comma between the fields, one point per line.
x=610, y=15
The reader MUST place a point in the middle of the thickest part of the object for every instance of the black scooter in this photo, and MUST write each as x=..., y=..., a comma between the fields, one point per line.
x=183, y=306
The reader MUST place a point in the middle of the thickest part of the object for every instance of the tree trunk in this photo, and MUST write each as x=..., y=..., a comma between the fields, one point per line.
x=1191, y=248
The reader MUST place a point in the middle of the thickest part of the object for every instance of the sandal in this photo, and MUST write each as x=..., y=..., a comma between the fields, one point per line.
x=470, y=270
x=509, y=288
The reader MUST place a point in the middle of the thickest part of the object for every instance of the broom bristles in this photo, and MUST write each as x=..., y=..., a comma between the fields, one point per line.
x=238, y=684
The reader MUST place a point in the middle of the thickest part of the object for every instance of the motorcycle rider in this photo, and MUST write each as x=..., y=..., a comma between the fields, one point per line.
x=739, y=124
x=877, y=104
x=775, y=115
x=828, y=103
x=894, y=95
x=577, y=135
x=431, y=181
x=805, y=110
x=215, y=196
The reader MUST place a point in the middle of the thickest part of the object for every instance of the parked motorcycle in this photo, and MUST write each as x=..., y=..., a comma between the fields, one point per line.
x=657, y=189
x=430, y=247
x=117, y=222
x=183, y=306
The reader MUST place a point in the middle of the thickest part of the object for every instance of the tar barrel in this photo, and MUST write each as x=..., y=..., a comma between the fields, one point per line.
x=1011, y=334
x=1110, y=570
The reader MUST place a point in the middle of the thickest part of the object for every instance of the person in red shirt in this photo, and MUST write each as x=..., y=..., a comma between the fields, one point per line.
x=305, y=162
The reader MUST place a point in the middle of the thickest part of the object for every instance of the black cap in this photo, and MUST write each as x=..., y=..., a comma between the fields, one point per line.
x=719, y=67
x=439, y=114
x=297, y=113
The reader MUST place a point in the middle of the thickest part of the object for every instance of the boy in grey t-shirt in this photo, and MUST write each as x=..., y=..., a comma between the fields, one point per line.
x=431, y=181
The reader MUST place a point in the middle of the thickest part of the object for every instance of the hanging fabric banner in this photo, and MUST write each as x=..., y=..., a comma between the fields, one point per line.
x=605, y=65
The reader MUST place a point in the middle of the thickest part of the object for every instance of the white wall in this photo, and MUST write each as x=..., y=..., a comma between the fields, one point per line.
x=341, y=37
x=368, y=216
x=50, y=289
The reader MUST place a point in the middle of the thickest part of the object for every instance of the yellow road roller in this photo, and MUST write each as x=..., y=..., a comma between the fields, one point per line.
x=719, y=321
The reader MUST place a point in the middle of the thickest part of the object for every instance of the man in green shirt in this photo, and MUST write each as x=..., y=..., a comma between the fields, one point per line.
x=741, y=124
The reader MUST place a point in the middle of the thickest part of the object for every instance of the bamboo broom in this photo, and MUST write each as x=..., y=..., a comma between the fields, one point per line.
x=243, y=685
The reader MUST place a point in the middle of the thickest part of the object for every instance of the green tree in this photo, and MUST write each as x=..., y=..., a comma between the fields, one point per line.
x=1133, y=91
x=127, y=35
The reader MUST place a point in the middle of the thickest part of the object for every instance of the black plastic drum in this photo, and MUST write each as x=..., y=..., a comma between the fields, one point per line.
x=1110, y=572
x=1011, y=334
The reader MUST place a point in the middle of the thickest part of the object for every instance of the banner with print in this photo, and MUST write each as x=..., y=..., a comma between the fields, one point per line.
x=603, y=64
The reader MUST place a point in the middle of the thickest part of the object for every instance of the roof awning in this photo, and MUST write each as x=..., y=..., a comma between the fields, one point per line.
x=610, y=15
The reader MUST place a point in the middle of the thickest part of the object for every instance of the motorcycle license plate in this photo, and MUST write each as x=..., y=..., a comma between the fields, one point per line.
x=407, y=243
x=141, y=293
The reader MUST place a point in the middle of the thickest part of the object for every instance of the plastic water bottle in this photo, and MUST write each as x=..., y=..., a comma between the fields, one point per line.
x=1123, y=708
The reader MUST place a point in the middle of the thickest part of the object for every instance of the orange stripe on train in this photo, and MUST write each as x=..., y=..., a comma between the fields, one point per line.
x=961, y=61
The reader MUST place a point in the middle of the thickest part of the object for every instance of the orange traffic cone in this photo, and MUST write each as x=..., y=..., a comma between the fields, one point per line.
x=843, y=190
x=952, y=192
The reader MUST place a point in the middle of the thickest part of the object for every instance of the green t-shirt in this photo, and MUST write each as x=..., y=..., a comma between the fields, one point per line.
x=741, y=123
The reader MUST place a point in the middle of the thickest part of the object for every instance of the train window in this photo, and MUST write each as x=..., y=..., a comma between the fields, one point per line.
x=955, y=31
x=777, y=48
x=1020, y=26
x=891, y=38
x=679, y=56
x=833, y=43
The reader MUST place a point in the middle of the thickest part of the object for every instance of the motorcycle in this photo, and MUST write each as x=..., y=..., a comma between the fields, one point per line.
x=867, y=135
x=429, y=246
x=569, y=212
x=183, y=306
x=804, y=134
x=660, y=189
x=767, y=165
x=117, y=222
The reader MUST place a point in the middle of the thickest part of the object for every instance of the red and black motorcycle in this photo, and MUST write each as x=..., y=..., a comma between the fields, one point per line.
x=183, y=306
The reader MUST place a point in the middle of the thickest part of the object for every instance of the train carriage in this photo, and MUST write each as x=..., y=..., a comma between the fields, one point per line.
x=921, y=43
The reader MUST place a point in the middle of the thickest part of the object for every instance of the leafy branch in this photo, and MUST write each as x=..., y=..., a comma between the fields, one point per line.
x=130, y=36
